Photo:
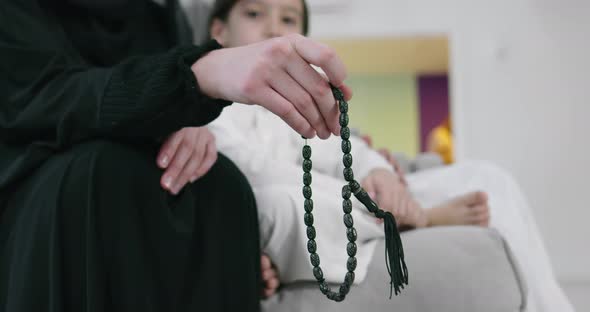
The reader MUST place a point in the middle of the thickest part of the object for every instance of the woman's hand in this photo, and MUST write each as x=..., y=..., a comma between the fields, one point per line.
x=277, y=75
x=186, y=156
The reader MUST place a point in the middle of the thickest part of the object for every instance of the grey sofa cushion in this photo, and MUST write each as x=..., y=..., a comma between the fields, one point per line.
x=423, y=161
x=451, y=269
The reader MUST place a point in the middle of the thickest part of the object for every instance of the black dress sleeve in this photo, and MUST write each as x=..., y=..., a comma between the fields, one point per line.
x=49, y=95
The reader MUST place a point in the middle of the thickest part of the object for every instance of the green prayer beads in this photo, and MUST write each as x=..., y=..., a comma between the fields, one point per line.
x=394, y=250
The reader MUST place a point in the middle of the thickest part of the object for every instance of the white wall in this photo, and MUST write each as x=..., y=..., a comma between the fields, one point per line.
x=520, y=96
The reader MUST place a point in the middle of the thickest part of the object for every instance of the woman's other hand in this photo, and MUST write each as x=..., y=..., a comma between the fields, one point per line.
x=186, y=156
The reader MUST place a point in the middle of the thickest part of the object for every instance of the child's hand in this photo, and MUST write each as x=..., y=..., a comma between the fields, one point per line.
x=393, y=162
x=391, y=195
x=186, y=156
x=270, y=277
x=276, y=74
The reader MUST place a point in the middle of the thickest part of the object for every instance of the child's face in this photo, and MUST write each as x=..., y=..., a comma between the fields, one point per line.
x=252, y=21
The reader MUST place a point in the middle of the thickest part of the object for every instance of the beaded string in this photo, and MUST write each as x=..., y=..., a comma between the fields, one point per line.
x=394, y=253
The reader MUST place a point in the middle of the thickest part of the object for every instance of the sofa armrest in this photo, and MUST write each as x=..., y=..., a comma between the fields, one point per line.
x=450, y=269
x=422, y=161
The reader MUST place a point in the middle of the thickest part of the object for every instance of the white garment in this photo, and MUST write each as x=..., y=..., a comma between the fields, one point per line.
x=510, y=214
x=269, y=154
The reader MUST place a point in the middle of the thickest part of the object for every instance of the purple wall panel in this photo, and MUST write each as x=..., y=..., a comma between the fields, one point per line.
x=433, y=102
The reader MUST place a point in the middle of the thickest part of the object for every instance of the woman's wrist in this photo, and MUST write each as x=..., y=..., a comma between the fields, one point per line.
x=202, y=70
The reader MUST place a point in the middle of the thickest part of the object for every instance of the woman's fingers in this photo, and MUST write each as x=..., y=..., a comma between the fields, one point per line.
x=194, y=153
x=202, y=159
x=302, y=99
x=172, y=176
x=317, y=86
x=202, y=139
x=197, y=142
x=174, y=170
x=187, y=173
x=168, y=149
x=208, y=161
x=347, y=91
x=281, y=107
x=322, y=56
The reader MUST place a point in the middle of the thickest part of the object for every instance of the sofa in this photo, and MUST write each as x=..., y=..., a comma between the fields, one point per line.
x=451, y=269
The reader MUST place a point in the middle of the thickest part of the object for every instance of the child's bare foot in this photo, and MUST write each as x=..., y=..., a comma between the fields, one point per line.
x=270, y=277
x=469, y=209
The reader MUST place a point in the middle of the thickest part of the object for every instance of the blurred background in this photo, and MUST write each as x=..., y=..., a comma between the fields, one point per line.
x=518, y=93
x=402, y=88
x=511, y=76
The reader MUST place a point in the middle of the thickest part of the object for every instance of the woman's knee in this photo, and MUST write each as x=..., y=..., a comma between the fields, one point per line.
x=104, y=160
x=227, y=185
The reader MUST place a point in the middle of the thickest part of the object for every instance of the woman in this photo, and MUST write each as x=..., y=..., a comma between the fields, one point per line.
x=88, y=101
x=270, y=156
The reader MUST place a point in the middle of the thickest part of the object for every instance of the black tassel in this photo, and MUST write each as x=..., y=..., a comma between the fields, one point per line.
x=394, y=250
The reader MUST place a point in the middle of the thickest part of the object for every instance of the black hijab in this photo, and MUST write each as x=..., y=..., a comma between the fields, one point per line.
x=104, y=30
x=112, y=9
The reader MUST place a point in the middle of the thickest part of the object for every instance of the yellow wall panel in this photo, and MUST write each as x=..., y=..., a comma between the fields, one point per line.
x=417, y=55
x=385, y=107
